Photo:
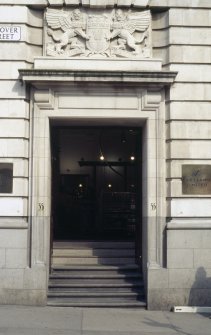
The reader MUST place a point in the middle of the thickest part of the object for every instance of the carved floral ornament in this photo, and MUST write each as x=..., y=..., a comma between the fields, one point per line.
x=98, y=33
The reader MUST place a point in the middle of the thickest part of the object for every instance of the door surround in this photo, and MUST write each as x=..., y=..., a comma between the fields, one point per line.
x=78, y=105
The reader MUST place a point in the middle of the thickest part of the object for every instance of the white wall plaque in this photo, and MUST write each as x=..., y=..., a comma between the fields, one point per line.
x=10, y=33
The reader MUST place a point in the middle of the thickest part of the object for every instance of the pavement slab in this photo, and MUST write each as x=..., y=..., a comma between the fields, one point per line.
x=126, y=320
x=28, y=320
x=190, y=323
x=39, y=320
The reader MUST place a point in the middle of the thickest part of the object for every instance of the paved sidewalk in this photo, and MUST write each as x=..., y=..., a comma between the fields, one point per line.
x=19, y=320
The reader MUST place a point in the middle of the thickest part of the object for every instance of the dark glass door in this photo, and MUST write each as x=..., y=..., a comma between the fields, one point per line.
x=95, y=198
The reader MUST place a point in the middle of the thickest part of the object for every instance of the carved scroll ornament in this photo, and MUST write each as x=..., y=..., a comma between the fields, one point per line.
x=115, y=33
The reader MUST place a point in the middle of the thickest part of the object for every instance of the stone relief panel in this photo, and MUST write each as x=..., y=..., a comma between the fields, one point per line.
x=97, y=33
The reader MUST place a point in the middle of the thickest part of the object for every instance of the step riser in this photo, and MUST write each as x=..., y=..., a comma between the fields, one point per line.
x=96, y=300
x=90, y=290
x=95, y=279
x=94, y=275
x=117, y=268
x=86, y=283
x=99, y=295
x=127, y=304
x=81, y=276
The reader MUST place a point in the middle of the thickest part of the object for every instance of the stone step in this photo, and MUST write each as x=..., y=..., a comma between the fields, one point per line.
x=94, y=275
x=104, y=298
x=92, y=260
x=99, y=304
x=98, y=268
x=94, y=283
x=93, y=244
x=103, y=294
x=98, y=289
x=89, y=252
x=93, y=279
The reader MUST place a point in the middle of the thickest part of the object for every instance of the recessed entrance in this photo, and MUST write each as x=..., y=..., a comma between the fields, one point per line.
x=96, y=217
x=96, y=183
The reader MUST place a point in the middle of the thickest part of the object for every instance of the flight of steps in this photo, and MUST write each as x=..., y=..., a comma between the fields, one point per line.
x=95, y=274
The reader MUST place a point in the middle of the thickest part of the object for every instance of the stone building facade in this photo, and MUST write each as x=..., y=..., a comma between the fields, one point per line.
x=160, y=84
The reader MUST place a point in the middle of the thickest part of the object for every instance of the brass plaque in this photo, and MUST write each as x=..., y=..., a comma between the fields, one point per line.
x=196, y=179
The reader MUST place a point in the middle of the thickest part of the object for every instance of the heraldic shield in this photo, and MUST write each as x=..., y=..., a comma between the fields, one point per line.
x=98, y=32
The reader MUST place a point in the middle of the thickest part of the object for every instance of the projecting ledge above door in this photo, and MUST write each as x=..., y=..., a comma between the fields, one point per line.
x=145, y=77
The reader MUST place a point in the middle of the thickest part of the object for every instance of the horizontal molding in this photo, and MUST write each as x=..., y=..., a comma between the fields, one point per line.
x=190, y=36
x=183, y=54
x=12, y=89
x=10, y=128
x=9, y=69
x=111, y=3
x=182, y=208
x=191, y=73
x=146, y=77
x=21, y=15
x=182, y=101
x=7, y=110
x=34, y=3
x=13, y=206
x=23, y=51
x=187, y=139
x=85, y=3
x=189, y=224
x=182, y=36
x=184, y=130
x=190, y=54
x=180, y=4
x=189, y=17
x=189, y=160
x=187, y=149
x=14, y=148
x=7, y=223
x=193, y=91
x=31, y=35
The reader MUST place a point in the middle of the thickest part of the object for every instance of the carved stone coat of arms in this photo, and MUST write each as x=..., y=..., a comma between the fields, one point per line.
x=116, y=33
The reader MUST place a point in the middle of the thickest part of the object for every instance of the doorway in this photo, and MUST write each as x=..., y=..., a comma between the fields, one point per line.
x=96, y=173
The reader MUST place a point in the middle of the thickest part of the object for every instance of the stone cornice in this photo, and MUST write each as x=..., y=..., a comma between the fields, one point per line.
x=162, y=78
x=85, y=3
x=111, y=3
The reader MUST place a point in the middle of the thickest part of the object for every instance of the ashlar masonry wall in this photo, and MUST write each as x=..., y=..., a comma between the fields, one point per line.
x=18, y=283
x=182, y=38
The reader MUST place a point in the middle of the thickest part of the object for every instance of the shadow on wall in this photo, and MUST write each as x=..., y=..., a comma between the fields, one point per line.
x=200, y=292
